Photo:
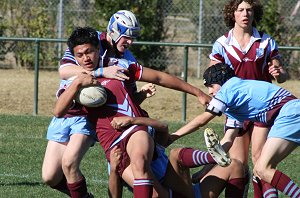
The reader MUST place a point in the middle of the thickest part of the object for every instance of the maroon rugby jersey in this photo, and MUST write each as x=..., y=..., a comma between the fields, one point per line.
x=251, y=63
x=119, y=103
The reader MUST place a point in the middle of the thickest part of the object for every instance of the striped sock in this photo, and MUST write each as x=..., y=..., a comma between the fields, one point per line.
x=142, y=188
x=193, y=158
x=268, y=190
x=283, y=183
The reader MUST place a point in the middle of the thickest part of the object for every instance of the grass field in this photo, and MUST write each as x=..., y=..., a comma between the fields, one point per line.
x=22, y=147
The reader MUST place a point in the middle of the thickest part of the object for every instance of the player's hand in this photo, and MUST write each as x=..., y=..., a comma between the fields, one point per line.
x=85, y=79
x=121, y=122
x=274, y=70
x=172, y=138
x=148, y=89
x=204, y=99
x=115, y=158
x=115, y=72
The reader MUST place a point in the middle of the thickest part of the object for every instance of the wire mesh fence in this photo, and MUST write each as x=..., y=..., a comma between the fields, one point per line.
x=193, y=21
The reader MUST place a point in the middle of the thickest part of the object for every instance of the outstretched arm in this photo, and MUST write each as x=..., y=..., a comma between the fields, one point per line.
x=172, y=82
x=113, y=72
x=192, y=126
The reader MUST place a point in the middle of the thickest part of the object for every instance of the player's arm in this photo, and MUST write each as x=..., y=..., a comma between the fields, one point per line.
x=65, y=100
x=172, y=82
x=277, y=71
x=162, y=130
x=192, y=126
x=115, y=182
x=113, y=72
x=229, y=136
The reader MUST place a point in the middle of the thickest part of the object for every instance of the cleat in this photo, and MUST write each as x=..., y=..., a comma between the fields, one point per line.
x=215, y=148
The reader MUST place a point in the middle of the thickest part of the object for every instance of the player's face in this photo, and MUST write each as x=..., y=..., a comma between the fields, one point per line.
x=87, y=56
x=123, y=43
x=213, y=89
x=244, y=15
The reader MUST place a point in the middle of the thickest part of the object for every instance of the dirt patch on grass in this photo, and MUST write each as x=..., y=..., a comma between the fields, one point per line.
x=17, y=96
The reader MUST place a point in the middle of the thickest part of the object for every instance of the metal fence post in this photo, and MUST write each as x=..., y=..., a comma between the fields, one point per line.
x=185, y=71
x=36, y=77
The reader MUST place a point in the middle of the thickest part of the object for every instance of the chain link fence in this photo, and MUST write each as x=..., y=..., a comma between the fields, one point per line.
x=193, y=21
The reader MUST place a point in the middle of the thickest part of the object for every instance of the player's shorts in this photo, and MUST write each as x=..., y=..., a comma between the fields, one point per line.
x=197, y=190
x=248, y=125
x=121, y=142
x=160, y=164
x=287, y=123
x=61, y=129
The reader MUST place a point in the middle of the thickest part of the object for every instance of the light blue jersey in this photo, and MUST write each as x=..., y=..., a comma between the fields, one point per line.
x=252, y=100
x=260, y=101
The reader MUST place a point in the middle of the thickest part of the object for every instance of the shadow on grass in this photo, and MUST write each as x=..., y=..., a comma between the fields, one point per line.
x=22, y=184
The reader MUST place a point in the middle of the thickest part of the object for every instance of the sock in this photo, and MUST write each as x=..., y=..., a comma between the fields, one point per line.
x=283, y=183
x=235, y=187
x=78, y=189
x=62, y=186
x=268, y=190
x=257, y=187
x=193, y=158
x=142, y=188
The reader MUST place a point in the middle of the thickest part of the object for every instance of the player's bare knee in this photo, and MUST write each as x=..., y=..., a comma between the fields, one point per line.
x=174, y=154
x=69, y=165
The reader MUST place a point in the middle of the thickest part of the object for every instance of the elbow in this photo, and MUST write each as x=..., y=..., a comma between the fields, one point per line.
x=58, y=114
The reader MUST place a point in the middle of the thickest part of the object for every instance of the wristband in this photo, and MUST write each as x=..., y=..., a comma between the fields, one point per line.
x=98, y=72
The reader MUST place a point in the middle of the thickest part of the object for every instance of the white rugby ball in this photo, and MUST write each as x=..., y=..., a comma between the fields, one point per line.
x=91, y=96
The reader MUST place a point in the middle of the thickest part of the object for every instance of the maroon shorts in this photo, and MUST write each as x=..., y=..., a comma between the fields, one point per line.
x=248, y=126
x=125, y=161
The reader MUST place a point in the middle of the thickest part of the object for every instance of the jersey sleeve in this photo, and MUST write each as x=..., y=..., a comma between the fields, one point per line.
x=68, y=59
x=217, y=53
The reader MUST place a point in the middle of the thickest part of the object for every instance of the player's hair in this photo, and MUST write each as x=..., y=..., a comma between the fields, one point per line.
x=231, y=7
x=123, y=23
x=217, y=74
x=83, y=35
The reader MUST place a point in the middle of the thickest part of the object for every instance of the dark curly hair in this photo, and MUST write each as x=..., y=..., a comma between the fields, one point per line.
x=232, y=6
x=217, y=74
x=83, y=35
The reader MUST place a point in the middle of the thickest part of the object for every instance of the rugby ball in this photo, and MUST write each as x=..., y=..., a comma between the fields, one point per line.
x=91, y=96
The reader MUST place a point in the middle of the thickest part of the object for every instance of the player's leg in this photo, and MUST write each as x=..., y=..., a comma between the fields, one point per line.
x=76, y=148
x=140, y=149
x=219, y=178
x=52, y=173
x=258, y=139
x=274, y=151
x=240, y=151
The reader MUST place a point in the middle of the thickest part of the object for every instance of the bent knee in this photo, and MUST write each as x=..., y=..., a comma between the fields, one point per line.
x=50, y=179
x=174, y=154
x=69, y=164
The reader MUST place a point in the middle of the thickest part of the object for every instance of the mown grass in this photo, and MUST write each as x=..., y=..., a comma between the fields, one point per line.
x=22, y=147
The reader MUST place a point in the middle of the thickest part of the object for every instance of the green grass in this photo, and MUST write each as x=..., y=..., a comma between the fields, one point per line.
x=22, y=146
